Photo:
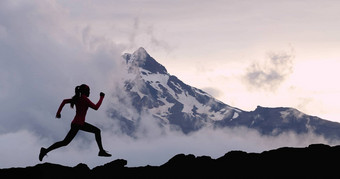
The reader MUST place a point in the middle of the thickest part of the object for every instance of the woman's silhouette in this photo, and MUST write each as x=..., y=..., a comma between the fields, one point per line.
x=80, y=99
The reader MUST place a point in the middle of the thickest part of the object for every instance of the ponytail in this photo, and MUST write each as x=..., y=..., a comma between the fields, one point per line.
x=76, y=96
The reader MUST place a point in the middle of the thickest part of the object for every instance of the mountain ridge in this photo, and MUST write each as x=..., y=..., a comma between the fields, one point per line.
x=152, y=90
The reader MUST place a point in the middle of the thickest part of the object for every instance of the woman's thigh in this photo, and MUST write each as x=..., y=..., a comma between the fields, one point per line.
x=89, y=128
x=72, y=133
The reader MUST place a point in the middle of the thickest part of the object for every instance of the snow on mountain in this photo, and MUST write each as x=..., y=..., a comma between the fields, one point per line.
x=152, y=90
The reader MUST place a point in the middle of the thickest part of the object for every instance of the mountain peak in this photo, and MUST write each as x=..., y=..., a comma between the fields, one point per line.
x=141, y=54
x=141, y=50
x=142, y=59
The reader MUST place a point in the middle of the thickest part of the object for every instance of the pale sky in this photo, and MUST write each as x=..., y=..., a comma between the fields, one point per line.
x=225, y=47
x=244, y=53
x=214, y=45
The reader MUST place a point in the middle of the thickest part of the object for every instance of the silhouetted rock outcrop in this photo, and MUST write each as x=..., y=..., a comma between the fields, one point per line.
x=316, y=161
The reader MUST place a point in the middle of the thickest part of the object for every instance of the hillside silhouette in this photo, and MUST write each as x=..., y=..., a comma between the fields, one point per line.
x=316, y=161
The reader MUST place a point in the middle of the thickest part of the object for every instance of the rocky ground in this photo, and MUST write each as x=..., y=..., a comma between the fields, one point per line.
x=316, y=161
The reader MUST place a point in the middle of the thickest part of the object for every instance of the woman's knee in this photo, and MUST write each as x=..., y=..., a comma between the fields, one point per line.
x=97, y=131
x=65, y=142
x=61, y=143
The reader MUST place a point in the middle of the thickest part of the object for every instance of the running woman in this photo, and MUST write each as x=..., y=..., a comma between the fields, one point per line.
x=80, y=99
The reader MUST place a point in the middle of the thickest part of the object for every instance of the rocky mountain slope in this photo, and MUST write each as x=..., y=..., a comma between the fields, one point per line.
x=152, y=90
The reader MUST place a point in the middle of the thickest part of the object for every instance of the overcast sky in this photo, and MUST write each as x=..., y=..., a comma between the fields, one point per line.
x=244, y=53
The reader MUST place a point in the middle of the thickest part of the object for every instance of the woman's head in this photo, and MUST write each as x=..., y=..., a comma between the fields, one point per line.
x=84, y=90
x=80, y=90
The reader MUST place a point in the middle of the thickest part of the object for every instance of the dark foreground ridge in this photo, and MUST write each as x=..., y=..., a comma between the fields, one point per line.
x=316, y=161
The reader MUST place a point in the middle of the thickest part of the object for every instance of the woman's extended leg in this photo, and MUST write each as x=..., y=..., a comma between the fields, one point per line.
x=70, y=135
x=93, y=129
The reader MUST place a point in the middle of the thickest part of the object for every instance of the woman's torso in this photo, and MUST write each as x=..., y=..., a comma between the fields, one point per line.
x=81, y=110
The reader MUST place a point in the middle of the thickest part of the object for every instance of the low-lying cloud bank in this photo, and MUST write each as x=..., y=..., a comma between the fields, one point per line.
x=154, y=147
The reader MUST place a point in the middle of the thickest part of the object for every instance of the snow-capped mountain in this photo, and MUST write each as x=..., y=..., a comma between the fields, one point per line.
x=152, y=90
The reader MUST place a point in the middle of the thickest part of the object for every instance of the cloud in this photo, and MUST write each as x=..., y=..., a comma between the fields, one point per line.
x=143, y=34
x=134, y=32
x=154, y=148
x=41, y=63
x=45, y=53
x=216, y=93
x=157, y=42
x=270, y=74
